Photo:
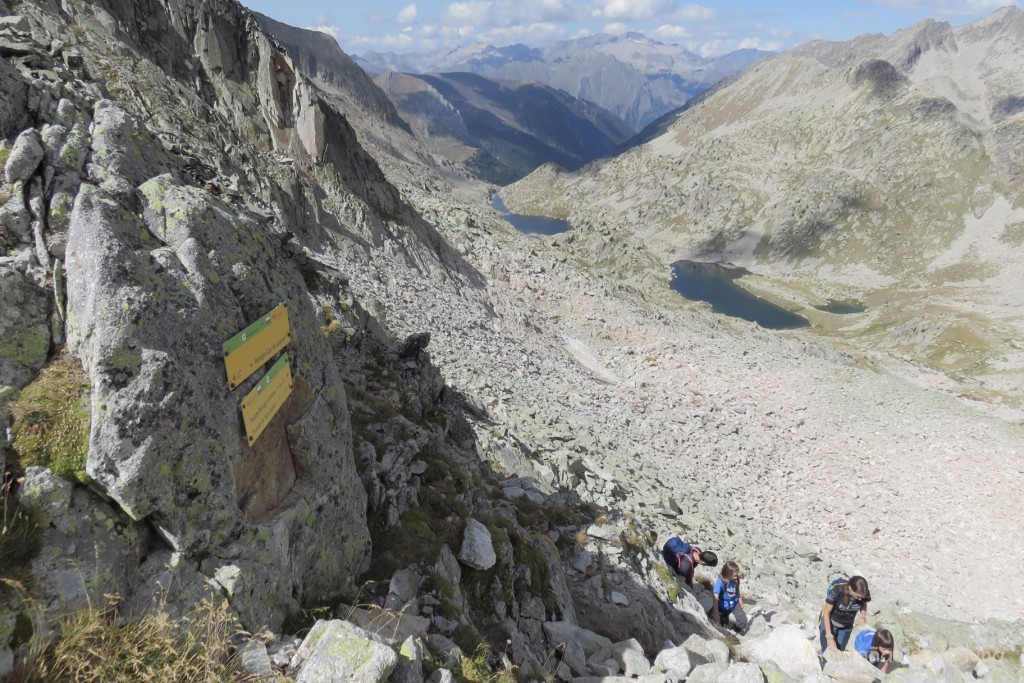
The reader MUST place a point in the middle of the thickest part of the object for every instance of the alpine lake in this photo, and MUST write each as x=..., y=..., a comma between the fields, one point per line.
x=713, y=283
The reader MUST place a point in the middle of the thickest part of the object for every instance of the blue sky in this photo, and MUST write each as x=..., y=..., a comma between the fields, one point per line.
x=708, y=28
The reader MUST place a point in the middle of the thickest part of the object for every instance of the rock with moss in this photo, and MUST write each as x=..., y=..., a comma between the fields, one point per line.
x=152, y=299
x=13, y=99
x=24, y=157
x=411, y=655
x=339, y=651
x=24, y=323
x=90, y=549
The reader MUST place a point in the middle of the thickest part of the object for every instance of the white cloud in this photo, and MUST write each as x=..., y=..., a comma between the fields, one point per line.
x=474, y=13
x=401, y=41
x=329, y=30
x=533, y=33
x=951, y=8
x=407, y=15
x=695, y=13
x=633, y=10
x=506, y=13
x=615, y=29
x=670, y=34
x=715, y=48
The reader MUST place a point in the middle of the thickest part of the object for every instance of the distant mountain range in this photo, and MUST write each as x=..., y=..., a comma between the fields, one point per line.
x=632, y=76
x=502, y=130
x=886, y=169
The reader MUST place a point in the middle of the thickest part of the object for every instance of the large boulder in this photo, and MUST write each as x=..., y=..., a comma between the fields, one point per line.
x=678, y=661
x=788, y=647
x=559, y=632
x=24, y=325
x=477, y=549
x=627, y=655
x=848, y=666
x=336, y=651
x=24, y=157
x=151, y=301
x=394, y=627
x=709, y=649
x=90, y=549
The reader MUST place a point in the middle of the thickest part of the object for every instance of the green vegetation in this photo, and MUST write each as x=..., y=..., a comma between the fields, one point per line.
x=20, y=540
x=51, y=420
x=91, y=646
x=474, y=669
x=668, y=582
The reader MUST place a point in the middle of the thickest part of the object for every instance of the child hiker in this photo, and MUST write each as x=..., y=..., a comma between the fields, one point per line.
x=728, y=599
x=876, y=647
x=683, y=558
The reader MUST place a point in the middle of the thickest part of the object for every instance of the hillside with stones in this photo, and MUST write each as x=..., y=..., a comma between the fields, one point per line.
x=488, y=439
x=884, y=170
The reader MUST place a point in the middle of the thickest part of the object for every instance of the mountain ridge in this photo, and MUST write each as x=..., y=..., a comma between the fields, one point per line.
x=634, y=77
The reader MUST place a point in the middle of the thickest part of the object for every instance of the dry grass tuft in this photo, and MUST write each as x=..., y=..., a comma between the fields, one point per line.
x=90, y=646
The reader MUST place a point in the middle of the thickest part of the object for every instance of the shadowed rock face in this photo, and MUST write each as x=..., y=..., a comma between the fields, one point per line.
x=502, y=129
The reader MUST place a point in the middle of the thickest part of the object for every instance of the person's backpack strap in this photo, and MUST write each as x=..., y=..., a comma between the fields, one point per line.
x=836, y=583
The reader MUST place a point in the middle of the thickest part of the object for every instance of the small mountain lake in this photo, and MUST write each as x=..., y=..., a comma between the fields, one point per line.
x=841, y=307
x=532, y=225
x=714, y=283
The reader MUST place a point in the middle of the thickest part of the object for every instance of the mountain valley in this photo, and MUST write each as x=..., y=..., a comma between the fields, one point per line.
x=488, y=435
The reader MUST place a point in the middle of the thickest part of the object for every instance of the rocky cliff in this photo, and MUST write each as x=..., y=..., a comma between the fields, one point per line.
x=472, y=468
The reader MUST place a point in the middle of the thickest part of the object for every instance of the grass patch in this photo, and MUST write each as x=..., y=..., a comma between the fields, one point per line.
x=91, y=646
x=51, y=420
x=668, y=582
x=475, y=669
x=20, y=540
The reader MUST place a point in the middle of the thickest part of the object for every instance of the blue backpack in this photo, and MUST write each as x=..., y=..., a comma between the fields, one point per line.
x=678, y=546
x=865, y=639
x=727, y=601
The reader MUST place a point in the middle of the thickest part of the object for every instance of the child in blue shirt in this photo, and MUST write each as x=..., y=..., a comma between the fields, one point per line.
x=728, y=600
x=876, y=647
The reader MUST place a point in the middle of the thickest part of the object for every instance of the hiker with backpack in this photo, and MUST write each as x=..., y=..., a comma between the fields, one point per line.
x=876, y=647
x=728, y=600
x=846, y=604
x=684, y=557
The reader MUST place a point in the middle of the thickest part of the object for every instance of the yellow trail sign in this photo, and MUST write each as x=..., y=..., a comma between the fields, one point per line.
x=256, y=344
x=262, y=403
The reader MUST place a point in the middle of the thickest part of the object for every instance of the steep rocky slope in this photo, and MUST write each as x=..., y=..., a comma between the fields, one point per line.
x=884, y=170
x=632, y=76
x=502, y=130
x=171, y=174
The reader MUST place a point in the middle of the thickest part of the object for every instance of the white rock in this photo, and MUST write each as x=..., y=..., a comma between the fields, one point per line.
x=786, y=646
x=339, y=651
x=477, y=549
